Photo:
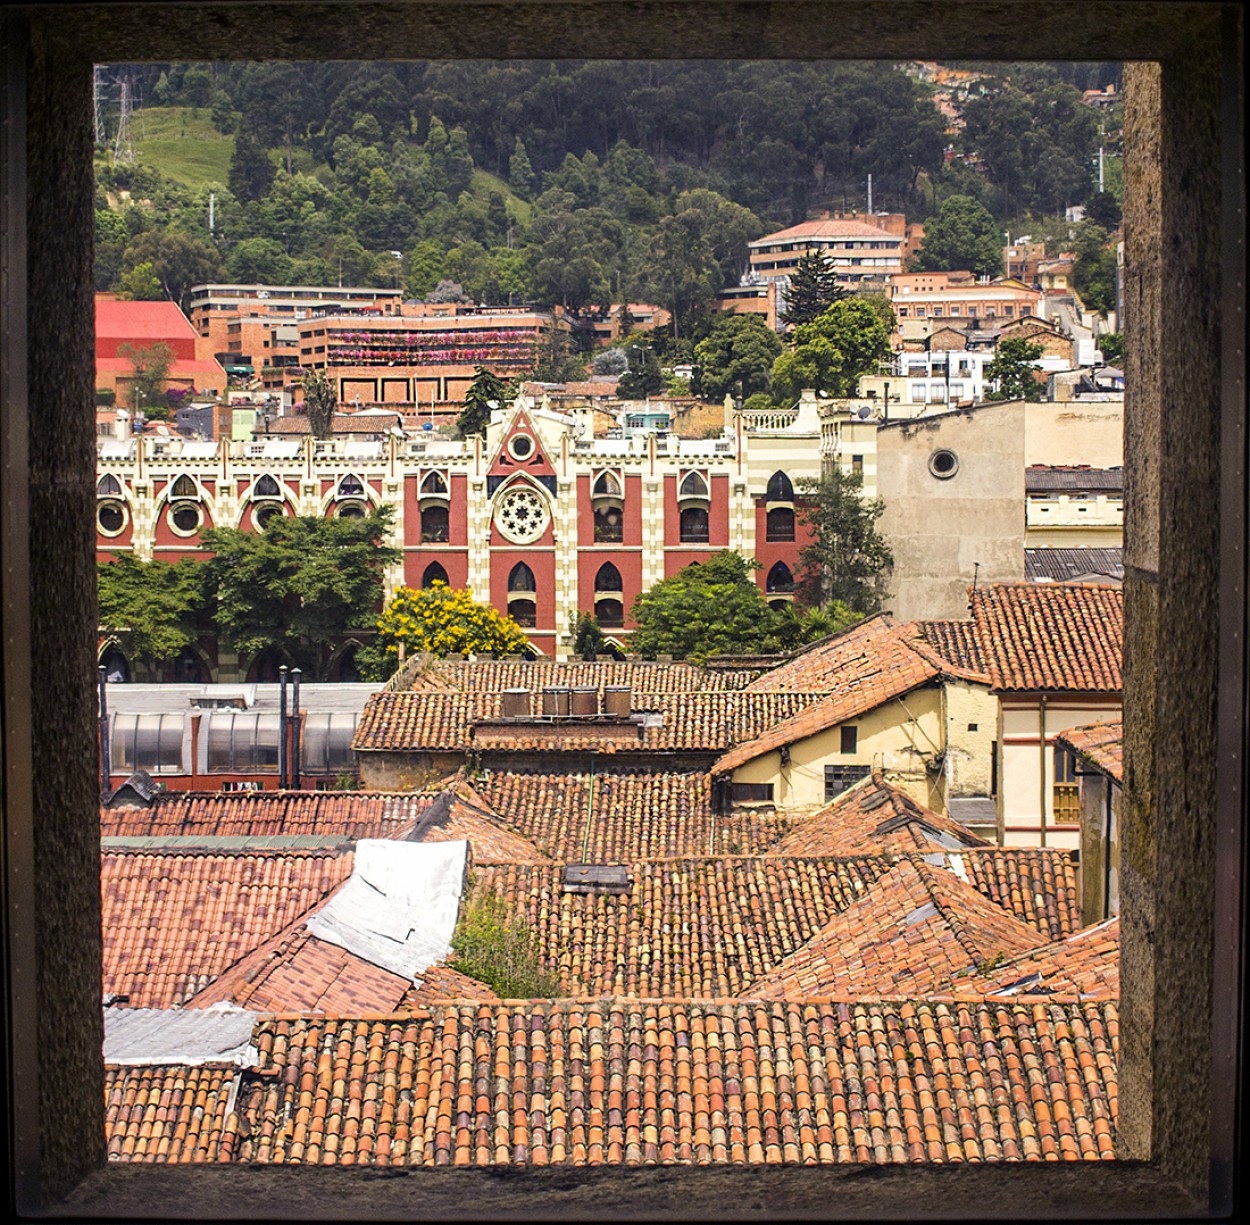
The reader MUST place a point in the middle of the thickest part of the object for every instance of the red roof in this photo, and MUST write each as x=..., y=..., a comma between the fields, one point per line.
x=1038, y=636
x=141, y=321
x=829, y=229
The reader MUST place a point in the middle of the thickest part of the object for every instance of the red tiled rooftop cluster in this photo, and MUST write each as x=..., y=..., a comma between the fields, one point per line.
x=638, y=1083
x=1101, y=744
x=644, y=676
x=174, y=922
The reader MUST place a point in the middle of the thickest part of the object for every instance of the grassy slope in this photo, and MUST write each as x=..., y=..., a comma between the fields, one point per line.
x=484, y=183
x=182, y=143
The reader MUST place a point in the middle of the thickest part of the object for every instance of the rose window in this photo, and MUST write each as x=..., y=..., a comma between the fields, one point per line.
x=521, y=516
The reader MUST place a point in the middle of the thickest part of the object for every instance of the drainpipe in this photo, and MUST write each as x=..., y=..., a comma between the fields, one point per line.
x=282, y=728
x=104, y=739
x=296, y=729
x=1041, y=731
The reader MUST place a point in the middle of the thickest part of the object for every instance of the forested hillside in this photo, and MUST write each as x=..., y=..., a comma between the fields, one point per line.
x=572, y=183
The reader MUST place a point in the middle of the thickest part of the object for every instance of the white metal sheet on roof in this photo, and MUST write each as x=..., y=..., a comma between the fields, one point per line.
x=398, y=908
x=190, y=1035
x=281, y=448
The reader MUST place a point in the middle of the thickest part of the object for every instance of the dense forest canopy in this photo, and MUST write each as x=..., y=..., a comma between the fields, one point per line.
x=582, y=183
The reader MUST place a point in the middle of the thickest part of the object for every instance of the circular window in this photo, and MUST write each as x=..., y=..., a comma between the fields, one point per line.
x=185, y=518
x=110, y=517
x=263, y=514
x=521, y=446
x=351, y=510
x=943, y=464
x=521, y=516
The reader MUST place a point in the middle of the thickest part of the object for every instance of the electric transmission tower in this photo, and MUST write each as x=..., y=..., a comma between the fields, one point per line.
x=123, y=146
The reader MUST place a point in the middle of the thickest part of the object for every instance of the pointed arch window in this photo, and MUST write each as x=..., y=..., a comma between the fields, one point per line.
x=108, y=486
x=607, y=485
x=185, y=487
x=350, y=487
x=693, y=485
x=780, y=579
x=780, y=488
x=434, y=573
x=608, y=578
x=266, y=487
x=609, y=508
x=610, y=613
x=521, y=579
x=433, y=485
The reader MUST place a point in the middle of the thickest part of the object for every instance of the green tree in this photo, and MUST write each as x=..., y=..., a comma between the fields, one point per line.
x=320, y=403
x=586, y=635
x=710, y=608
x=486, y=393
x=962, y=236
x=1112, y=346
x=259, y=261
x=299, y=584
x=846, y=562
x=1012, y=373
x=833, y=351
x=644, y=376
x=738, y=354
x=813, y=287
x=140, y=284
x=150, y=366
x=554, y=359
x=251, y=171
x=1093, y=277
x=178, y=261
x=520, y=171
x=152, y=608
x=442, y=621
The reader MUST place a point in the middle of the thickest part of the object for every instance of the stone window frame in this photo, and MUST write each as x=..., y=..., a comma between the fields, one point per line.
x=1181, y=1056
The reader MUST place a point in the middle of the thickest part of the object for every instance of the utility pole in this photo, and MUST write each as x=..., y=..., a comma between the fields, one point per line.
x=212, y=200
x=870, y=195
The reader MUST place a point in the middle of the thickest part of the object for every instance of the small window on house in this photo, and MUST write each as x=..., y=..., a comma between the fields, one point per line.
x=110, y=517
x=610, y=613
x=524, y=612
x=694, y=526
x=779, y=524
x=608, y=525
x=351, y=487
x=608, y=578
x=943, y=464
x=185, y=487
x=850, y=739
x=265, y=514
x=108, y=487
x=434, y=573
x=434, y=525
x=857, y=465
x=351, y=510
x=839, y=778
x=751, y=793
x=521, y=446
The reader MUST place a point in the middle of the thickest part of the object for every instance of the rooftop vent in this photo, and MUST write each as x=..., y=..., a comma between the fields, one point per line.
x=596, y=878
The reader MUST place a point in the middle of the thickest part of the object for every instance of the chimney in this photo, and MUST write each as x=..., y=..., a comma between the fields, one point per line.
x=617, y=701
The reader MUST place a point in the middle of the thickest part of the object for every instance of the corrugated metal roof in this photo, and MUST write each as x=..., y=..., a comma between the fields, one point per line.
x=398, y=908
x=184, y=1036
x=1066, y=565
x=1039, y=479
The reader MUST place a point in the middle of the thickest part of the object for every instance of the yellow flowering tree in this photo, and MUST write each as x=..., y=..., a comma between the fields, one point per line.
x=445, y=621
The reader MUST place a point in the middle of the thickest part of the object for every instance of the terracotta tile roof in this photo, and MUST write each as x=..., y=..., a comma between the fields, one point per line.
x=297, y=972
x=915, y=929
x=1040, y=884
x=858, y=670
x=1101, y=744
x=628, y=1083
x=873, y=818
x=690, y=722
x=1037, y=636
x=1084, y=965
x=350, y=814
x=169, y=1113
x=173, y=923
x=441, y=983
x=687, y=928
x=452, y=819
x=955, y=642
x=622, y=817
x=344, y=423
x=643, y=676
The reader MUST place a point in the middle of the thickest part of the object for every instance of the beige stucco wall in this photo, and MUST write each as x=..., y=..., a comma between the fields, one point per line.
x=971, y=728
x=1075, y=432
x=1026, y=770
x=405, y=771
x=891, y=738
x=939, y=529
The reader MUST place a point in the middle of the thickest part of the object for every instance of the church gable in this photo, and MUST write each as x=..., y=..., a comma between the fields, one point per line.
x=520, y=451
